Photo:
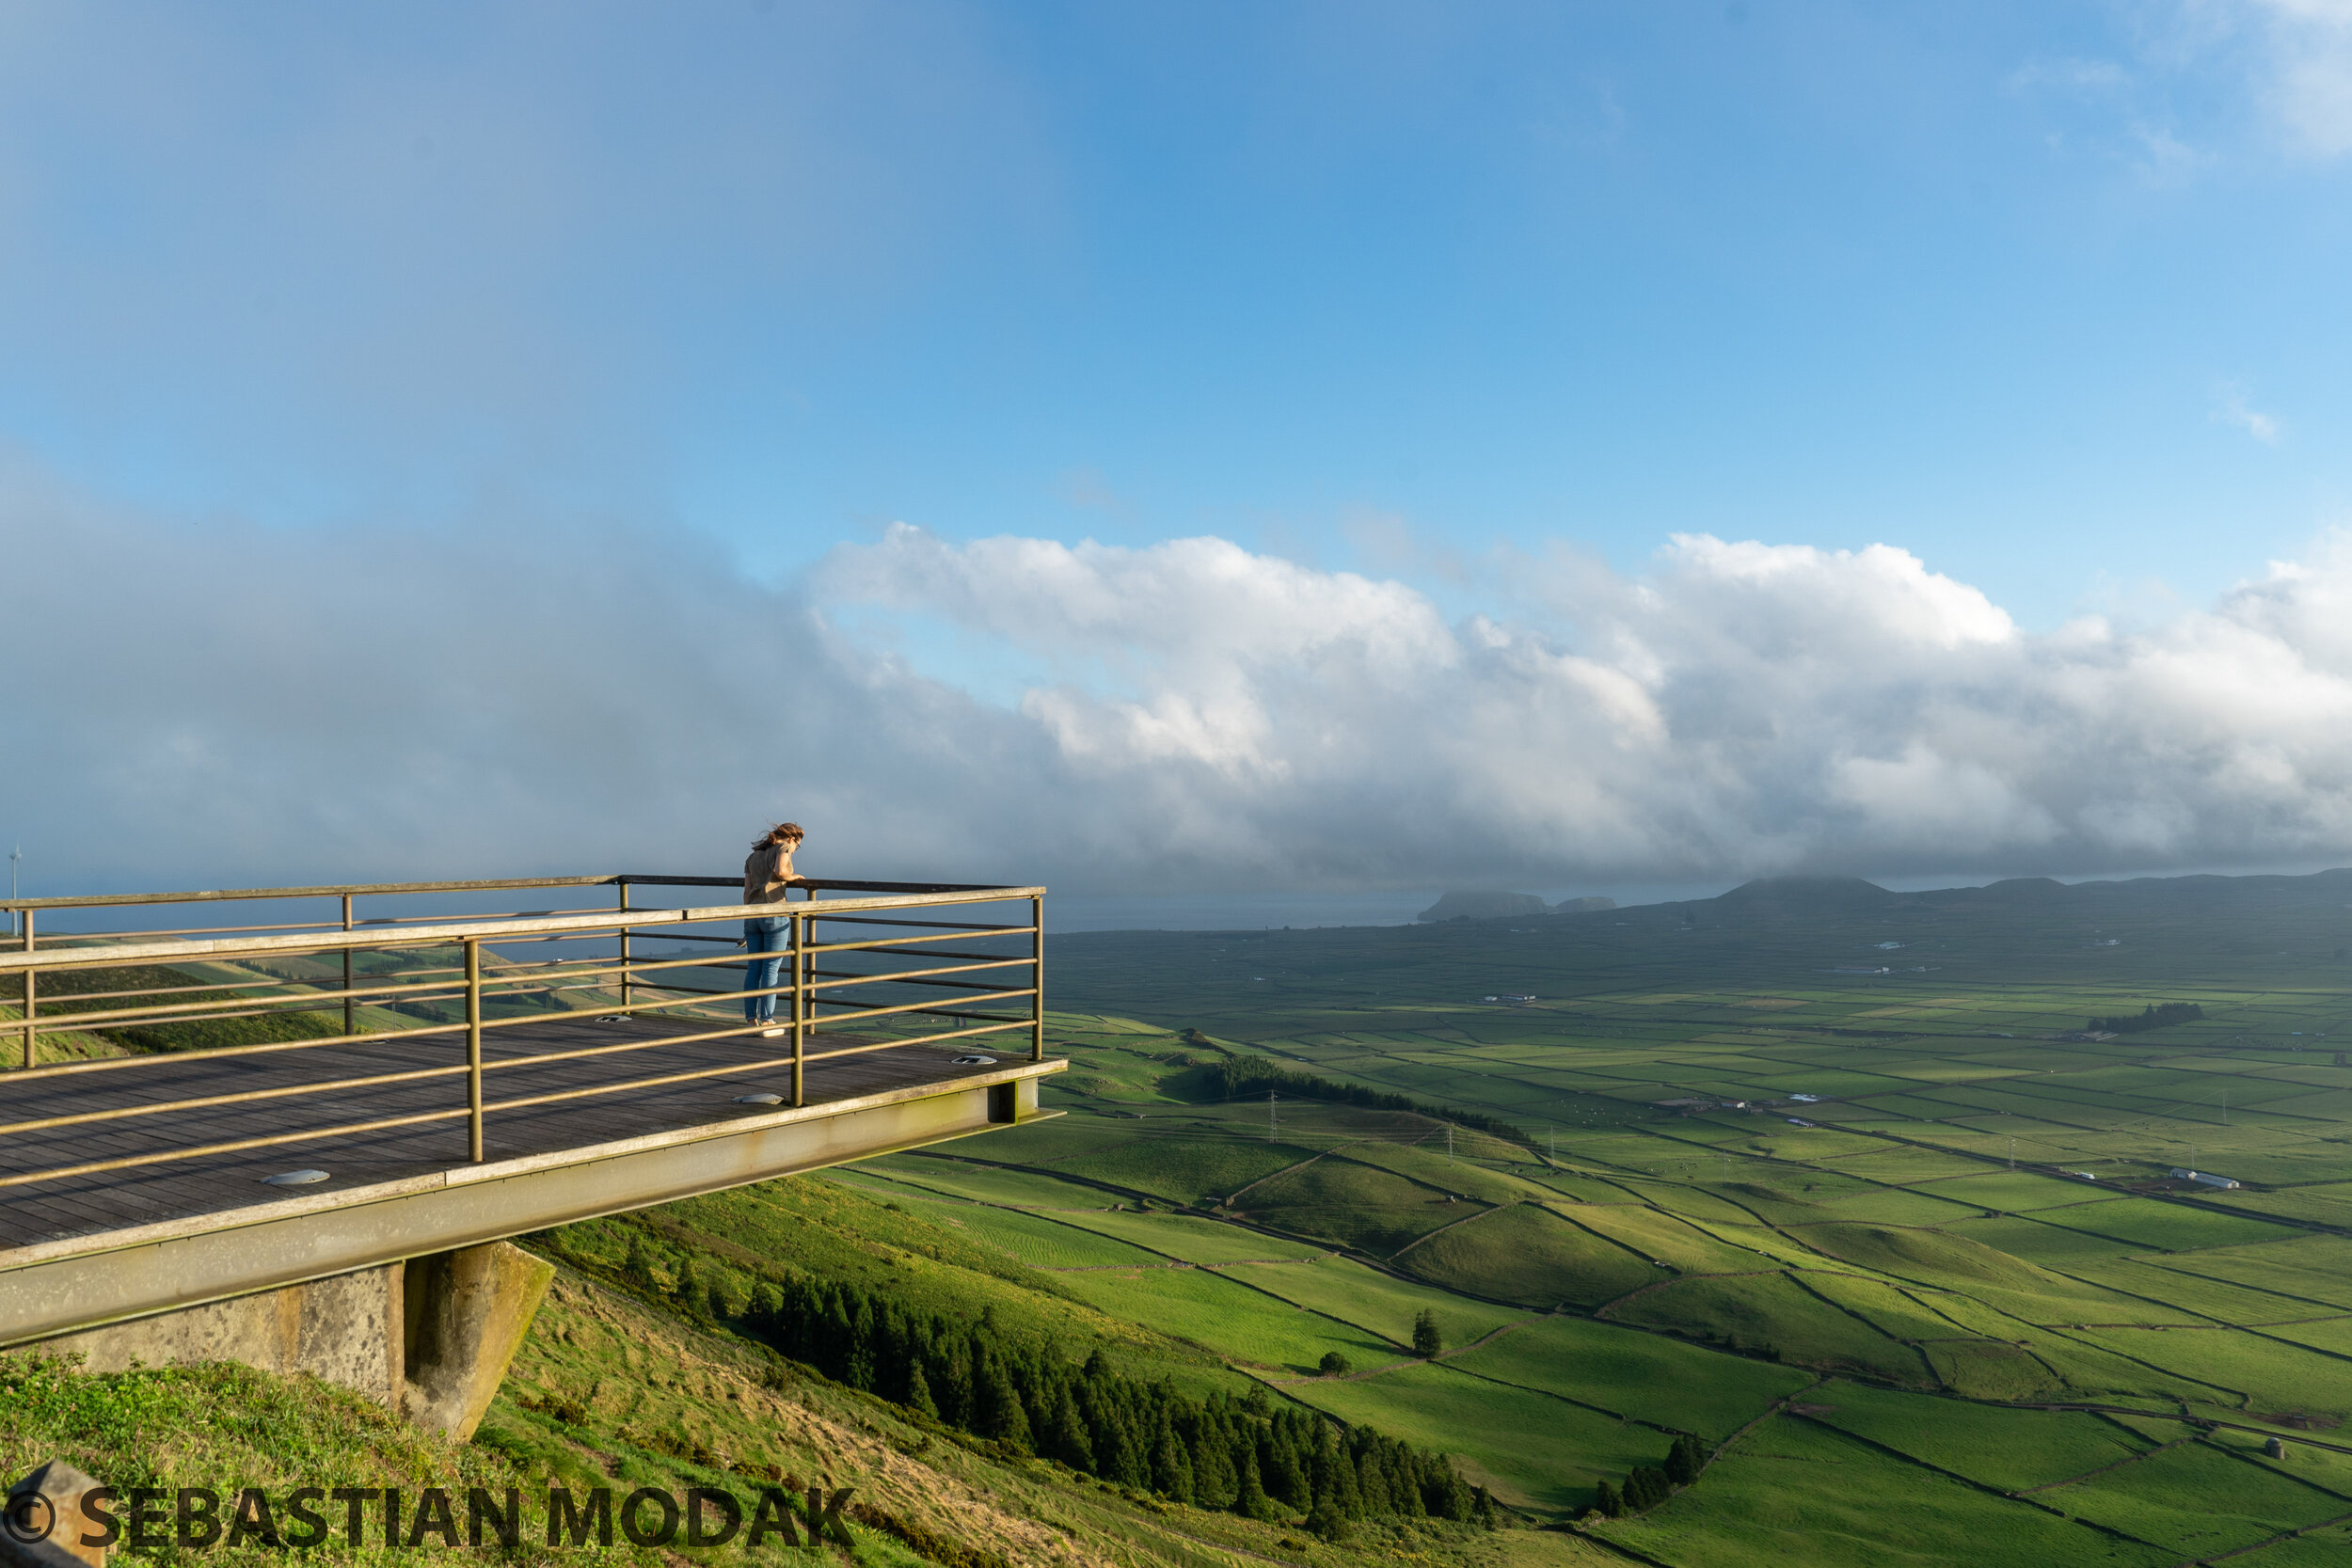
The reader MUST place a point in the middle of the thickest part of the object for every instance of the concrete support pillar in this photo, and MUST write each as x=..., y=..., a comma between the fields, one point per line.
x=431, y=1337
x=465, y=1313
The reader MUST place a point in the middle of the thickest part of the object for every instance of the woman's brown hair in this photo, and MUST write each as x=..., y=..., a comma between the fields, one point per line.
x=777, y=834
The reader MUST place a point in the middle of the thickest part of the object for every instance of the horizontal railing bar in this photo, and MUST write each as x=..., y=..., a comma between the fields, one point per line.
x=926, y=953
x=197, y=1012
x=218, y=1052
x=840, y=978
x=323, y=942
x=103, y=901
x=309, y=1001
x=65, y=1023
x=919, y=1039
x=63, y=1000
x=380, y=921
x=824, y=884
x=883, y=945
x=243, y=1096
x=946, y=924
x=844, y=883
x=732, y=1068
x=167, y=1156
x=866, y=1010
x=850, y=885
x=62, y=937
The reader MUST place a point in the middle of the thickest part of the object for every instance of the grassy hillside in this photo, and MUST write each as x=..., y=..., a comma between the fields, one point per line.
x=1880, y=1247
x=1956, y=1273
x=621, y=1387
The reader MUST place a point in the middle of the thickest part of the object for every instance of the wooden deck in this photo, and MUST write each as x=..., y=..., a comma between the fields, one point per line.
x=178, y=1190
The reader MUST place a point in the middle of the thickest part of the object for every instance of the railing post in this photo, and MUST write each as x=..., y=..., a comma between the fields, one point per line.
x=28, y=1013
x=473, y=1045
x=347, y=1008
x=1037, y=978
x=799, y=935
x=626, y=989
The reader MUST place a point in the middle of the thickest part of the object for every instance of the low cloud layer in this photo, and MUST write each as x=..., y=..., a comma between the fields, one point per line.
x=216, y=703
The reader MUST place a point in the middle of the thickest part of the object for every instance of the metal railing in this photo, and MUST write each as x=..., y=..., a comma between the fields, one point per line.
x=458, y=977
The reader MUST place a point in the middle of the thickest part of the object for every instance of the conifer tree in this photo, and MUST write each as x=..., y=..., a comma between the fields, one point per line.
x=1067, y=1440
x=1685, y=1460
x=1001, y=1416
x=1606, y=1502
x=954, y=1388
x=1249, y=1497
x=1171, y=1471
x=919, y=1392
x=1287, y=1475
x=1427, y=1342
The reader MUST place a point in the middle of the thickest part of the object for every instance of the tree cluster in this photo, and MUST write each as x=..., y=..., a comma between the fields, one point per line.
x=1247, y=1456
x=2156, y=1015
x=1242, y=1077
x=1652, y=1484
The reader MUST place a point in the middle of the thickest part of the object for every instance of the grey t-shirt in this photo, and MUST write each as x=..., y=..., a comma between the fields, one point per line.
x=767, y=873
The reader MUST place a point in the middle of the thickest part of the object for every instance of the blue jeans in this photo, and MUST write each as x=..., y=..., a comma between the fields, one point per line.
x=772, y=934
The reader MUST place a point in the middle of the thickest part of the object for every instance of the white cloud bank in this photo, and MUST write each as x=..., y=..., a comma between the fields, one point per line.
x=216, y=703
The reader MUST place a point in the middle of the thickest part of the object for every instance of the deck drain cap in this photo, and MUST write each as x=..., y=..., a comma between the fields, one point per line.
x=976, y=1061
x=293, y=1177
x=759, y=1099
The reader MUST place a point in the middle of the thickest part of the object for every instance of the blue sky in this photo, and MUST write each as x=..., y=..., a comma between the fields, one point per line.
x=1984, y=280
x=2047, y=296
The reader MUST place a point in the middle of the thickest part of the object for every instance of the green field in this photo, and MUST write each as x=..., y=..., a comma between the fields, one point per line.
x=1930, y=1247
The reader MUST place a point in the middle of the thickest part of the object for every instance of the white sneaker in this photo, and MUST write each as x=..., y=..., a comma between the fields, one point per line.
x=771, y=1033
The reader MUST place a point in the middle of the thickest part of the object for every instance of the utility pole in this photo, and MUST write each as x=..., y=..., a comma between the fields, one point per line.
x=1269, y=1115
x=1449, y=1143
x=2012, y=1154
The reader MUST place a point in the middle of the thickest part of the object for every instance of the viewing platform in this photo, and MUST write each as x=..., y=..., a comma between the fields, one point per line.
x=309, y=1131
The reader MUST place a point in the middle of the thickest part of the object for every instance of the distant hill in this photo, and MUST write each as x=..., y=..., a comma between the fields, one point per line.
x=1836, y=895
x=1499, y=906
x=1804, y=896
x=1483, y=906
